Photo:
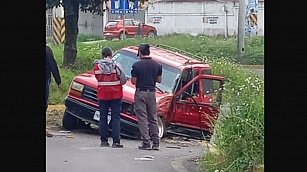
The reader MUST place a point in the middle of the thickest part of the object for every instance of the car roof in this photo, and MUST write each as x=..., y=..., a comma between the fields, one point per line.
x=120, y=20
x=171, y=58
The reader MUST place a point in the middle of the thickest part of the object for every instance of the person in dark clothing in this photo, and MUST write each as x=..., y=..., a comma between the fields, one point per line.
x=51, y=68
x=145, y=73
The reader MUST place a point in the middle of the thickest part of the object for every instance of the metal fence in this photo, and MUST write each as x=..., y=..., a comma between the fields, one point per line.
x=49, y=22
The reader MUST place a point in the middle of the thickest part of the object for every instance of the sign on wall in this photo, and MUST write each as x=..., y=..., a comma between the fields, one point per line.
x=210, y=20
x=155, y=20
x=124, y=6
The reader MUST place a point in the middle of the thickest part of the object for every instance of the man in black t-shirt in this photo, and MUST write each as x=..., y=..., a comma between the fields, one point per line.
x=145, y=73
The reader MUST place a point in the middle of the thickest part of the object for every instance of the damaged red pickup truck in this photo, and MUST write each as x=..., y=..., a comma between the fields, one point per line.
x=188, y=98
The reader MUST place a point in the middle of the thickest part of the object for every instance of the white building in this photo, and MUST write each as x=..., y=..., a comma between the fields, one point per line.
x=208, y=17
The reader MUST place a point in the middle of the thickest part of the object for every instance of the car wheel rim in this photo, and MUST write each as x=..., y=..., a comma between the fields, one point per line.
x=150, y=35
x=121, y=36
x=161, y=128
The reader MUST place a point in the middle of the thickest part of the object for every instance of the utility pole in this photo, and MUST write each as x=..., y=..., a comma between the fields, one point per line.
x=240, y=36
x=124, y=11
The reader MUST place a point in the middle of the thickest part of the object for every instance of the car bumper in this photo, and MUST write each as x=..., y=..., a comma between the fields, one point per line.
x=110, y=34
x=129, y=128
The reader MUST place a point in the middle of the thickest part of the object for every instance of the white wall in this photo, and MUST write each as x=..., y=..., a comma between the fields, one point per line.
x=182, y=17
x=197, y=17
x=260, y=18
x=90, y=24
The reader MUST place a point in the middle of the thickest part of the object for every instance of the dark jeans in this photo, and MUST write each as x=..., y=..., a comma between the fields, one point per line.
x=145, y=108
x=115, y=106
x=47, y=92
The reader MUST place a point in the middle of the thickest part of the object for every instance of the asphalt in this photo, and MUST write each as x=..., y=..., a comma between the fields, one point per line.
x=82, y=152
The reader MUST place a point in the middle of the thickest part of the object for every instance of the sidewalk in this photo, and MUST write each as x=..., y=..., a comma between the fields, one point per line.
x=253, y=66
x=258, y=69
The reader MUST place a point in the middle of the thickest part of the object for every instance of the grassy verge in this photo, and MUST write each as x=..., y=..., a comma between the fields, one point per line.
x=85, y=38
x=239, y=133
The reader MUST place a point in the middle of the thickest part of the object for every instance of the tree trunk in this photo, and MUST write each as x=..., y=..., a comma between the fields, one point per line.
x=71, y=12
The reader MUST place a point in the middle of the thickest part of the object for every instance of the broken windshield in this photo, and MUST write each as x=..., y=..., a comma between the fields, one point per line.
x=169, y=73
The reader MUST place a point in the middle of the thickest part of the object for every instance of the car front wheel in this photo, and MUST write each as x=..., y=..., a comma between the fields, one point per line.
x=121, y=36
x=161, y=127
x=70, y=122
x=151, y=34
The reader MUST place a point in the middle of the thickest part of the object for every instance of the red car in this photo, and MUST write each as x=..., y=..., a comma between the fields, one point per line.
x=114, y=29
x=188, y=98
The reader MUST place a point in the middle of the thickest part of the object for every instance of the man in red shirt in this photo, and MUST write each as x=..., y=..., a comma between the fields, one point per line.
x=109, y=94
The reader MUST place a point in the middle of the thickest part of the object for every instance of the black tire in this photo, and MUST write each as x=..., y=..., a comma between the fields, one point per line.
x=121, y=36
x=70, y=122
x=151, y=34
x=161, y=126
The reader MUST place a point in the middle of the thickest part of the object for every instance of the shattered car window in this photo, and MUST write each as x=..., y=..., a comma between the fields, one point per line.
x=169, y=74
x=168, y=78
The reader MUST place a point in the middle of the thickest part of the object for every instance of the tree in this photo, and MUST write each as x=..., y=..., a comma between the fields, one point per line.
x=71, y=16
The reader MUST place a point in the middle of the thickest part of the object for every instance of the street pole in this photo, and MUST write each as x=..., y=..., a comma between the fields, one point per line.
x=124, y=33
x=241, y=26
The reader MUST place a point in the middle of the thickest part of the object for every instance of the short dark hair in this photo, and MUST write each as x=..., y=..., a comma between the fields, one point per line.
x=106, y=51
x=144, y=49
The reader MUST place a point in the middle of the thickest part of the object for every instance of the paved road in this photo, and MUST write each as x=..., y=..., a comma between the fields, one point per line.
x=259, y=72
x=83, y=153
x=258, y=69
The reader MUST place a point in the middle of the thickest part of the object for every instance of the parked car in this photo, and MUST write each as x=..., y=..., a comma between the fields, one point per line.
x=188, y=98
x=114, y=29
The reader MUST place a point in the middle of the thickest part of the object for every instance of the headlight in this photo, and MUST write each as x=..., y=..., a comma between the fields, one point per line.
x=77, y=86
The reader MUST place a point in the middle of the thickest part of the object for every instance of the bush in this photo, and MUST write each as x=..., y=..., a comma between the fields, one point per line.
x=240, y=132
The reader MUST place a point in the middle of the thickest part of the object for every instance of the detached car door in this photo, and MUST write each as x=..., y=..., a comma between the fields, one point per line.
x=195, y=107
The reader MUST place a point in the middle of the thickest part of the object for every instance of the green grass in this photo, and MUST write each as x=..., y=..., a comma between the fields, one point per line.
x=239, y=133
x=86, y=38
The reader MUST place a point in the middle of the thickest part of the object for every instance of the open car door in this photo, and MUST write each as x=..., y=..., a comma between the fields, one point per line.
x=195, y=107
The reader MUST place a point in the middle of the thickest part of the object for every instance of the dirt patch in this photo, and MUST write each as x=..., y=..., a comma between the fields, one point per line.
x=54, y=117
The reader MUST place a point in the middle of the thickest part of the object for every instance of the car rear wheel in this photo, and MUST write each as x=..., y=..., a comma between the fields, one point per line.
x=121, y=36
x=151, y=34
x=70, y=122
x=161, y=127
